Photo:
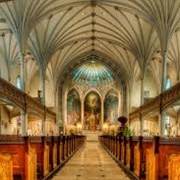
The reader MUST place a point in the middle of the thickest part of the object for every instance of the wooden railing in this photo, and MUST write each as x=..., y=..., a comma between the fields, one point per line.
x=12, y=94
x=35, y=157
x=161, y=101
x=146, y=158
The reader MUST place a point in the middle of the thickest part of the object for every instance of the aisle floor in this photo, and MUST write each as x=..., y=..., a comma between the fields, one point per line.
x=91, y=162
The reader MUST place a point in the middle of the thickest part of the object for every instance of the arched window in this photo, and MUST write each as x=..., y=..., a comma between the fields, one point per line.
x=18, y=82
x=168, y=82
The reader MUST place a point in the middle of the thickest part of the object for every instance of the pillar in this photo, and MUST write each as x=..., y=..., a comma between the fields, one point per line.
x=163, y=88
x=102, y=112
x=23, y=71
x=23, y=123
x=164, y=71
x=0, y=119
x=82, y=112
x=141, y=124
x=43, y=87
x=44, y=123
x=142, y=102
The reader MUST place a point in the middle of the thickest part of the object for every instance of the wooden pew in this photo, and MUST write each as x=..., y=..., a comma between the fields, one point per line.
x=39, y=144
x=130, y=145
x=140, y=156
x=15, y=146
x=173, y=167
x=55, y=147
x=37, y=157
x=6, y=167
x=23, y=156
x=148, y=158
x=151, y=159
x=31, y=163
x=161, y=156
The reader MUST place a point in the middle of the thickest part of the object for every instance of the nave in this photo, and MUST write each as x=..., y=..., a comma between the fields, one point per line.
x=91, y=162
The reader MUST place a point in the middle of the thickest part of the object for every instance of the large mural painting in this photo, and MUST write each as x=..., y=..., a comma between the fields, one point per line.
x=111, y=107
x=92, y=111
x=73, y=108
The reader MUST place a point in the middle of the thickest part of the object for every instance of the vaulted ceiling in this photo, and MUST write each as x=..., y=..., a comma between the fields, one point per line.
x=130, y=36
x=93, y=74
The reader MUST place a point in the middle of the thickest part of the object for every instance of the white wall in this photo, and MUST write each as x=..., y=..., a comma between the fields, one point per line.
x=135, y=101
x=149, y=85
x=8, y=126
x=35, y=85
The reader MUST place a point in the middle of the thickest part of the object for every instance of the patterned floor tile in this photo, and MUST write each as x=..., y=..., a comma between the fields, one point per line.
x=91, y=163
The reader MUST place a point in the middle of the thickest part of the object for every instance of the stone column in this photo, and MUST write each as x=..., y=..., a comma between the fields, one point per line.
x=43, y=101
x=23, y=71
x=102, y=112
x=164, y=71
x=44, y=123
x=82, y=112
x=142, y=102
x=162, y=116
x=163, y=88
x=64, y=109
x=141, y=124
x=23, y=123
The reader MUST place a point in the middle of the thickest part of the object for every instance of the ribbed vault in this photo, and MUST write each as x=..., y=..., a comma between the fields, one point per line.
x=53, y=37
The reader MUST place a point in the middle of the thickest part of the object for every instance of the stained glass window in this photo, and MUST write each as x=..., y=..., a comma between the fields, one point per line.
x=93, y=74
x=18, y=82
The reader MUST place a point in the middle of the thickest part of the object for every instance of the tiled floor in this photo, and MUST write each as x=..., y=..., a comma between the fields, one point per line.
x=91, y=163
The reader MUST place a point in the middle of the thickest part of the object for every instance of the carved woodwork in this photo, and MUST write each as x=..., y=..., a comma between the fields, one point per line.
x=46, y=160
x=122, y=151
x=55, y=155
x=160, y=102
x=153, y=159
x=10, y=93
x=150, y=164
x=171, y=96
x=6, y=167
x=137, y=160
x=31, y=164
x=165, y=151
x=30, y=156
x=128, y=154
x=173, y=167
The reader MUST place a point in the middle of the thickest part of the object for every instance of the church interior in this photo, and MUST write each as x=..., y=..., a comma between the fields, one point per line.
x=89, y=86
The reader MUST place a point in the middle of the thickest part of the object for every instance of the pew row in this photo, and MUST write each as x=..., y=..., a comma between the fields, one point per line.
x=36, y=157
x=150, y=158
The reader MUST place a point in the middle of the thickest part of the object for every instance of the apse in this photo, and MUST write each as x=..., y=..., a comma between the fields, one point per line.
x=92, y=111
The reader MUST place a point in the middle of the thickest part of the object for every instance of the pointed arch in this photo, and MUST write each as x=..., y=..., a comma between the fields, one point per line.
x=111, y=107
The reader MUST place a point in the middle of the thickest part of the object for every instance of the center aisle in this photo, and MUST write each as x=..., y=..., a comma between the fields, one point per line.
x=91, y=162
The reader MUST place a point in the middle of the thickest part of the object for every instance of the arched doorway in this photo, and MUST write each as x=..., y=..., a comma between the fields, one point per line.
x=92, y=111
x=111, y=107
x=73, y=107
